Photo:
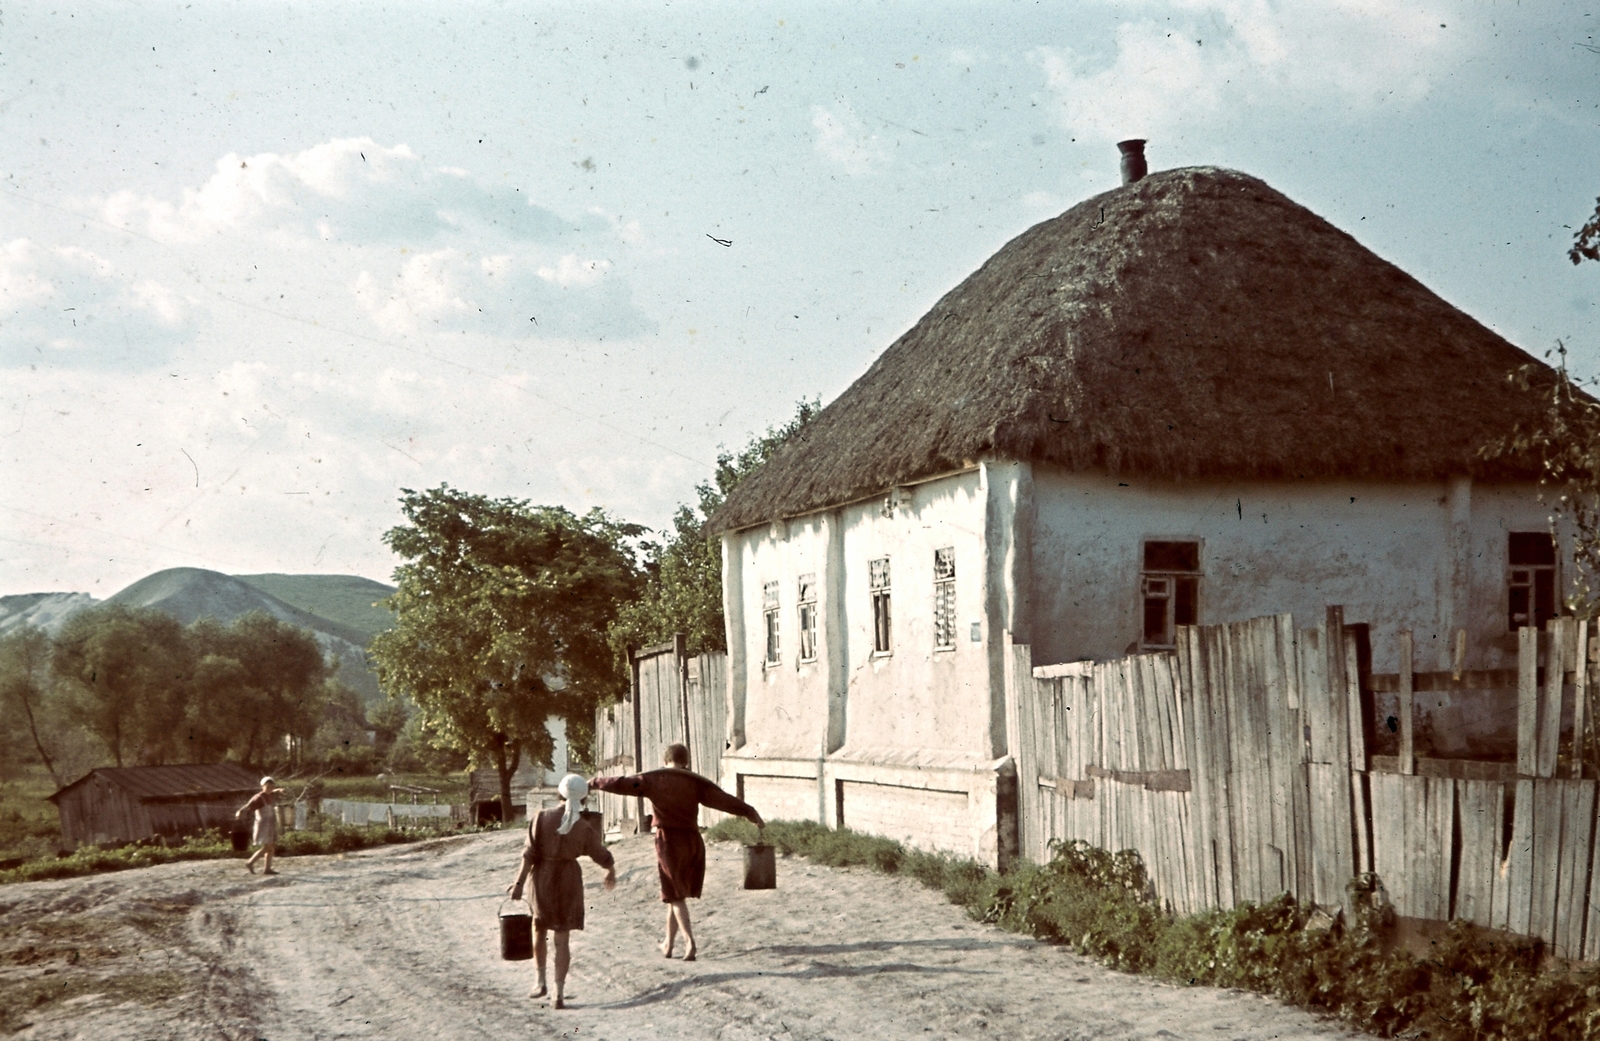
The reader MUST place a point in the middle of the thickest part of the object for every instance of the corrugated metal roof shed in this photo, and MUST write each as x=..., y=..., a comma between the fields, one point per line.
x=188, y=781
x=116, y=804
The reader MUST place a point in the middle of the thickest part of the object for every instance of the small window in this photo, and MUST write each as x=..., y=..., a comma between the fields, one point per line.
x=878, y=578
x=1531, y=585
x=1169, y=589
x=944, y=597
x=769, y=605
x=808, y=617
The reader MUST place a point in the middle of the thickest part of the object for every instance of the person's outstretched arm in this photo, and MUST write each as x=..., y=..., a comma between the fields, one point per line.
x=715, y=798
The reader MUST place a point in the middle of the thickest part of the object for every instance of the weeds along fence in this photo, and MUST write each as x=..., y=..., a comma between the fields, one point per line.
x=1240, y=769
x=673, y=698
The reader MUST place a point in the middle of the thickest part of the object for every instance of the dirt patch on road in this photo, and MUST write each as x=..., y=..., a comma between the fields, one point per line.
x=402, y=942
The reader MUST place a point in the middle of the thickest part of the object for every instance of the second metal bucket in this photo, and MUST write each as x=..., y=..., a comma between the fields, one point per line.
x=516, y=934
x=760, y=867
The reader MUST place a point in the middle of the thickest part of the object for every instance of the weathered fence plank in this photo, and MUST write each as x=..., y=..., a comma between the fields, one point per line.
x=1482, y=814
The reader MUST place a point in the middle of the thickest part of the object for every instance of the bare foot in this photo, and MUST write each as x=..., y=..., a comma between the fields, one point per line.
x=561, y=1002
x=666, y=950
x=538, y=992
x=689, y=954
x=250, y=866
x=270, y=871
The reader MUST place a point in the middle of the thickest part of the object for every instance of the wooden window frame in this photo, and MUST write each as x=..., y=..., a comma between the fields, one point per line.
x=806, y=603
x=878, y=581
x=1171, y=581
x=772, y=655
x=944, y=599
x=1533, y=580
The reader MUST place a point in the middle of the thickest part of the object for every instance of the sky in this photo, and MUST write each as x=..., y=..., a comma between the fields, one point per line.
x=265, y=265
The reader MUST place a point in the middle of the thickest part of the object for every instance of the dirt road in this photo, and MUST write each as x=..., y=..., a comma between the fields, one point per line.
x=403, y=943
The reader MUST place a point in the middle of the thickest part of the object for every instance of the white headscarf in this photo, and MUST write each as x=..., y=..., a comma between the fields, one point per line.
x=573, y=789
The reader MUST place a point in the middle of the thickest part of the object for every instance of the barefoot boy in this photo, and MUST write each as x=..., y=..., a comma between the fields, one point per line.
x=676, y=795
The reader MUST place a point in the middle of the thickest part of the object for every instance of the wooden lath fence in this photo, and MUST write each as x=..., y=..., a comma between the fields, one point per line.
x=1239, y=768
x=672, y=699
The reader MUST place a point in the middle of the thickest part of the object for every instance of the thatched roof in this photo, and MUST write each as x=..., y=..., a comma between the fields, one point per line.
x=1193, y=324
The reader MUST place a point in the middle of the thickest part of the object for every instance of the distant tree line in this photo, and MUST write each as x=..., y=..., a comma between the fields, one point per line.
x=128, y=686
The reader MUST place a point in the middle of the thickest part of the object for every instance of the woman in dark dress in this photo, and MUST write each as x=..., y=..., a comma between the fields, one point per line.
x=676, y=795
x=556, y=839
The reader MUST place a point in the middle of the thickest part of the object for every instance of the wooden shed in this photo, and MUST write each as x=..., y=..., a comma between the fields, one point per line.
x=115, y=804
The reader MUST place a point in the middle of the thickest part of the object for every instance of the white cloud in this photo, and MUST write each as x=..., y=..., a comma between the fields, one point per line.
x=1211, y=62
x=843, y=139
x=416, y=248
x=68, y=305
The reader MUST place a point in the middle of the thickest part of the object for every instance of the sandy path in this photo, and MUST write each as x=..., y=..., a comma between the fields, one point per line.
x=403, y=943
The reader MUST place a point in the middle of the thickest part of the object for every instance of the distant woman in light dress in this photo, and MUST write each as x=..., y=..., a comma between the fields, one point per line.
x=676, y=794
x=556, y=839
x=266, y=825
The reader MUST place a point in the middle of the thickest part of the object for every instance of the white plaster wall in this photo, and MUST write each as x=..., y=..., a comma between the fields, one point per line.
x=1383, y=550
x=917, y=697
x=786, y=705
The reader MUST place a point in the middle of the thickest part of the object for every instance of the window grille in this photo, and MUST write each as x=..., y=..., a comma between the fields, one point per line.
x=769, y=603
x=1169, y=590
x=1531, y=584
x=878, y=579
x=808, y=617
x=944, y=597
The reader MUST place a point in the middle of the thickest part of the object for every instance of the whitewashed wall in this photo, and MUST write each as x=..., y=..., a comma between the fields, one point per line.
x=1393, y=554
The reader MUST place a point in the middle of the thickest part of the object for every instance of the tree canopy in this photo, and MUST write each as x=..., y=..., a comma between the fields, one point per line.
x=683, y=585
x=501, y=618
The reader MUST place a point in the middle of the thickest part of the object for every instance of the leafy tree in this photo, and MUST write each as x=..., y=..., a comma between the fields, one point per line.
x=683, y=590
x=125, y=674
x=256, y=680
x=1586, y=243
x=500, y=620
x=388, y=722
x=24, y=685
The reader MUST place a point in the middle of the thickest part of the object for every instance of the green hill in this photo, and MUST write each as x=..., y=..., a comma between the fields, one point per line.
x=347, y=599
x=188, y=593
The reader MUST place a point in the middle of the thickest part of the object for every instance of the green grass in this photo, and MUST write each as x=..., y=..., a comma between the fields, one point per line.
x=1472, y=986
x=29, y=824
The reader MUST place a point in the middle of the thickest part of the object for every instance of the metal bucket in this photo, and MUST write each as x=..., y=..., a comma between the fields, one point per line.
x=760, y=867
x=241, y=839
x=516, y=934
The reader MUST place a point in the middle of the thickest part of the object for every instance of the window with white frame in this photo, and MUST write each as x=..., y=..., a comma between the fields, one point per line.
x=808, y=617
x=878, y=580
x=769, y=606
x=944, y=598
x=1169, y=590
x=1531, y=574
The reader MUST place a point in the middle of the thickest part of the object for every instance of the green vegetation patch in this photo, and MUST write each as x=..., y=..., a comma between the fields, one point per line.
x=1473, y=986
x=92, y=860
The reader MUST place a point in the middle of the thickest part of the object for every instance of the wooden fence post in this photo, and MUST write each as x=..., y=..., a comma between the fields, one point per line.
x=1407, y=662
x=1580, y=699
x=1527, y=700
x=1550, y=709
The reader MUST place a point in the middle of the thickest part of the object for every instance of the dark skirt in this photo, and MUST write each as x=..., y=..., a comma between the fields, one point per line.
x=558, y=895
x=681, y=862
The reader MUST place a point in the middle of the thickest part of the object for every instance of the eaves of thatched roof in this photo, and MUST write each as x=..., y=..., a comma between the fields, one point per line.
x=1194, y=324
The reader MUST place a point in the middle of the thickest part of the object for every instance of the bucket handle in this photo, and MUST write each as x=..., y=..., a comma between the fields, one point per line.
x=501, y=912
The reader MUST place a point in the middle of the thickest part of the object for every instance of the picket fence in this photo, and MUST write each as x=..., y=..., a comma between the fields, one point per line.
x=1238, y=768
